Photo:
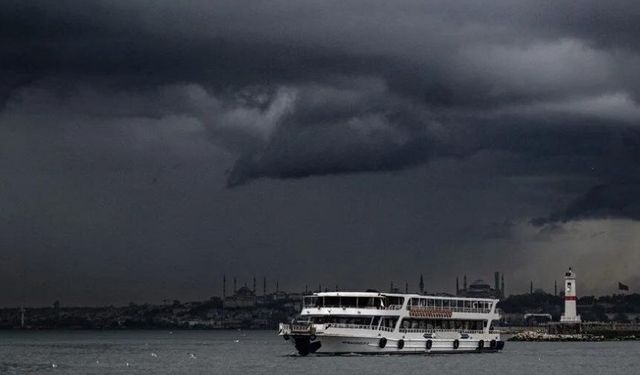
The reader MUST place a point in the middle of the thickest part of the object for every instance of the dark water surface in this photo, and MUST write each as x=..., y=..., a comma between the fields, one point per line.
x=260, y=352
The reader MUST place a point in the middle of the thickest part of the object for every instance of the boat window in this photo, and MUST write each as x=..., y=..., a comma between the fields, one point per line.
x=331, y=301
x=441, y=324
x=389, y=321
x=350, y=320
x=311, y=301
x=348, y=301
x=395, y=300
x=368, y=302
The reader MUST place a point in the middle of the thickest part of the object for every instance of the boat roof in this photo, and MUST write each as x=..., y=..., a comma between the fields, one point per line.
x=380, y=294
x=348, y=294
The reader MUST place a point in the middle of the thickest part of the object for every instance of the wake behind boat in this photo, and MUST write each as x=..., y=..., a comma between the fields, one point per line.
x=393, y=323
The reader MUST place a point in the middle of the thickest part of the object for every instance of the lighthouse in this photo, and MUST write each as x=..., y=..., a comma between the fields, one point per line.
x=570, y=315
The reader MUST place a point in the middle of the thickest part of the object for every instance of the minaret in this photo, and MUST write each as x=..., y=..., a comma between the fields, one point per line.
x=224, y=286
x=570, y=315
x=264, y=285
x=391, y=287
x=555, y=287
x=464, y=282
x=531, y=287
x=421, y=284
x=277, y=286
x=254, y=284
x=406, y=287
x=235, y=285
x=496, y=282
x=502, y=293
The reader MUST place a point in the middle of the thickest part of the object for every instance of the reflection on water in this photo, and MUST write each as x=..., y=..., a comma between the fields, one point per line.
x=260, y=352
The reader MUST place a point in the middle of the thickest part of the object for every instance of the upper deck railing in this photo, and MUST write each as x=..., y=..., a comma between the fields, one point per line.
x=390, y=307
x=417, y=311
x=311, y=329
x=358, y=326
x=410, y=302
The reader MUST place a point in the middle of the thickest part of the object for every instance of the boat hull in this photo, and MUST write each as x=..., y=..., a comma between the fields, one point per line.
x=347, y=344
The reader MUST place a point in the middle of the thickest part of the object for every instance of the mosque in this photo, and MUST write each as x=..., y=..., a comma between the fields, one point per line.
x=481, y=289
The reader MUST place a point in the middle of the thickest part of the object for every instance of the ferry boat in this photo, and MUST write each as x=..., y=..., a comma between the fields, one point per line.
x=392, y=323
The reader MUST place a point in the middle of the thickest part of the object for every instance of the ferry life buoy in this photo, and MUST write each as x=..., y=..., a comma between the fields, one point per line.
x=492, y=344
x=312, y=337
x=480, y=344
x=400, y=344
x=382, y=343
x=456, y=343
x=285, y=337
x=429, y=344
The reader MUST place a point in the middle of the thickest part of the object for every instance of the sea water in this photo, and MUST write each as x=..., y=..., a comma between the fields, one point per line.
x=262, y=352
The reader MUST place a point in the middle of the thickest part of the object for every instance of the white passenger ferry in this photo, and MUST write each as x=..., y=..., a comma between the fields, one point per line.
x=390, y=323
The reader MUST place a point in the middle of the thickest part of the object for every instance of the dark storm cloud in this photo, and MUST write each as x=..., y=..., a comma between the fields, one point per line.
x=441, y=69
x=451, y=65
x=110, y=104
x=602, y=201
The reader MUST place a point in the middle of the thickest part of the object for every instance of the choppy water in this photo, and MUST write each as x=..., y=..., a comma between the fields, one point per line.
x=259, y=352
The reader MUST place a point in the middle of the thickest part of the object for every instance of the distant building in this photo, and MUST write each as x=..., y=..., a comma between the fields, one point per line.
x=242, y=298
x=479, y=289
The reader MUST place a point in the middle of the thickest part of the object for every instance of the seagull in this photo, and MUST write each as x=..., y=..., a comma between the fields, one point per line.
x=54, y=365
x=154, y=355
x=191, y=355
x=236, y=340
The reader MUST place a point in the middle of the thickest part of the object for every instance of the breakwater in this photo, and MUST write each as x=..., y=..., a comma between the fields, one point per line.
x=592, y=331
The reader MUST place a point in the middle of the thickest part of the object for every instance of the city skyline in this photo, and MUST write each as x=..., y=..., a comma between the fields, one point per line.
x=272, y=288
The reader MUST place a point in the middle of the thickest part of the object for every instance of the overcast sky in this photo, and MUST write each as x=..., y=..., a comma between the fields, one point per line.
x=149, y=147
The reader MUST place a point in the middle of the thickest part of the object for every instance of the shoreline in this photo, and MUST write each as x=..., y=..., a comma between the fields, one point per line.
x=533, y=336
